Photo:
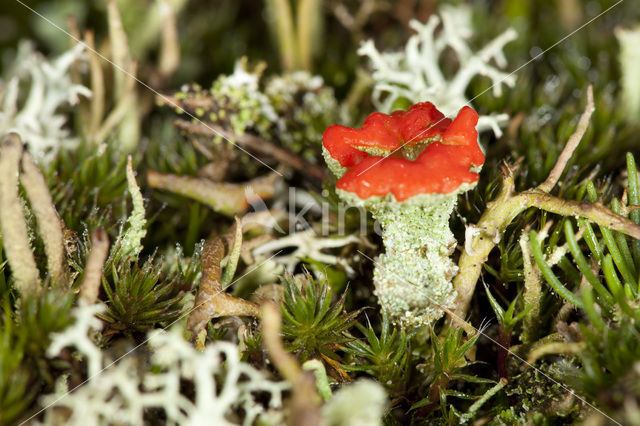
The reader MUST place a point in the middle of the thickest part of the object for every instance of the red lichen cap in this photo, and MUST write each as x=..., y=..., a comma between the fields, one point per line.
x=428, y=153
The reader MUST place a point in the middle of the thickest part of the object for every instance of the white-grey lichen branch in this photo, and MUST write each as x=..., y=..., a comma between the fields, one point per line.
x=33, y=94
x=416, y=75
x=121, y=392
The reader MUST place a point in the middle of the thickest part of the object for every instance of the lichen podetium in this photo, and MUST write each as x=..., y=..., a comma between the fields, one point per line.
x=408, y=169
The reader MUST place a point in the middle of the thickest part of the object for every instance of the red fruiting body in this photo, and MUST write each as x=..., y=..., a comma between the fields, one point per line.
x=451, y=151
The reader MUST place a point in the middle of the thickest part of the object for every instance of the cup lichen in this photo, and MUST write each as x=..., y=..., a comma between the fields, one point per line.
x=412, y=199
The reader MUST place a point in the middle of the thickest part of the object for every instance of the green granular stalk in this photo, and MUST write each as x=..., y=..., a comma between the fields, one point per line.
x=413, y=277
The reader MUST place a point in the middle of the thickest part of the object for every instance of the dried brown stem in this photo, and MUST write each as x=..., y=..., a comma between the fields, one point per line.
x=119, y=49
x=570, y=147
x=170, y=48
x=255, y=144
x=72, y=26
x=189, y=103
x=500, y=212
x=283, y=18
x=50, y=225
x=15, y=238
x=90, y=286
x=594, y=212
x=211, y=301
x=97, y=84
x=119, y=112
x=470, y=329
x=226, y=198
x=356, y=21
x=305, y=404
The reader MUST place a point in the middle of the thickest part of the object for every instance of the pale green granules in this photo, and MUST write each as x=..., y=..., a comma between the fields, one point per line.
x=413, y=276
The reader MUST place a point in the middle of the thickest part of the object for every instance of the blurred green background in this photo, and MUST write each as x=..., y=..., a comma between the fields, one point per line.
x=215, y=33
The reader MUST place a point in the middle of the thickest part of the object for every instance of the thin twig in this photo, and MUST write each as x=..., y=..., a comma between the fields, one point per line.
x=471, y=413
x=211, y=301
x=170, y=48
x=555, y=348
x=594, y=212
x=471, y=331
x=225, y=198
x=90, y=286
x=508, y=204
x=283, y=19
x=570, y=147
x=305, y=402
x=255, y=144
x=97, y=84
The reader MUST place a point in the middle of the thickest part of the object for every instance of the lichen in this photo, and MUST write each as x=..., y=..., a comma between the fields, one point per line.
x=308, y=245
x=33, y=92
x=358, y=404
x=226, y=391
x=292, y=108
x=131, y=242
x=413, y=276
x=415, y=75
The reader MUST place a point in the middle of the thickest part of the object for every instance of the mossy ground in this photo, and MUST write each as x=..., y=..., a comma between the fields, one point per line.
x=537, y=361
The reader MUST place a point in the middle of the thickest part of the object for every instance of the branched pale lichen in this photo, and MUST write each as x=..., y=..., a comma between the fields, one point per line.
x=226, y=391
x=35, y=114
x=307, y=246
x=78, y=336
x=415, y=75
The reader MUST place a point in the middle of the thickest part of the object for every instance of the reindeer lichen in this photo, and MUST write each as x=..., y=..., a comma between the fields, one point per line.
x=415, y=74
x=33, y=93
x=121, y=391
